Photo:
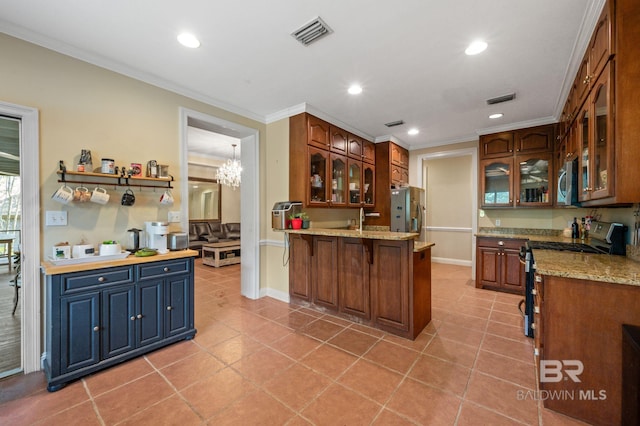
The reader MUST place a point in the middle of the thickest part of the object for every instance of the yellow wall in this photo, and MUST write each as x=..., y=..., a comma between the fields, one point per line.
x=82, y=106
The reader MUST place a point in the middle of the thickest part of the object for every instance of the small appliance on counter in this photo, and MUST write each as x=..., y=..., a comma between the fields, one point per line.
x=157, y=236
x=281, y=212
x=177, y=241
x=134, y=237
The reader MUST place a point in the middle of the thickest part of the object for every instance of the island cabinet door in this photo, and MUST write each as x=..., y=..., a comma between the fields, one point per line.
x=300, y=267
x=390, y=284
x=177, y=305
x=149, y=312
x=354, y=278
x=324, y=272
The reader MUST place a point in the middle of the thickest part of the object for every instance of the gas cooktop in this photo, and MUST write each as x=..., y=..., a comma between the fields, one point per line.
x=554, y=245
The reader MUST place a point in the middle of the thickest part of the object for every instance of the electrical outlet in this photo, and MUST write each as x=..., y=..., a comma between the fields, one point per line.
x=497, y=222
x=481, y=213
x=56, y=218
x=174, y=217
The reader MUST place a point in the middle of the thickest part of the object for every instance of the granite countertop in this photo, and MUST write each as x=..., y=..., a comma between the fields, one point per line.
x=355, y=233
x=596, y=267
x=49, y=268
x=368, y=234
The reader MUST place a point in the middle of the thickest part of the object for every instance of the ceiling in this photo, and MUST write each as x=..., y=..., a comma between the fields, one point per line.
x=408, y=56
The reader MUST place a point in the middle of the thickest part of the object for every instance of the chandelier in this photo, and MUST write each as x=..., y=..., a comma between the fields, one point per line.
x=229, y=173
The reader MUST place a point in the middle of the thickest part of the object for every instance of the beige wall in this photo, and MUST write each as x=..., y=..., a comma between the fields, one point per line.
x=82, y=106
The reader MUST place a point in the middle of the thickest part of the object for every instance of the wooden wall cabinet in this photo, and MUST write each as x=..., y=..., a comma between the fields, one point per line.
x=388, y=172
x=517, y=168
x=498, y=264
x=322, y=160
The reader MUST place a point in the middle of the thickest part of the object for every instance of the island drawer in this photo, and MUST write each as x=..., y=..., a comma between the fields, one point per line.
x=161, y=269
x=81, y=281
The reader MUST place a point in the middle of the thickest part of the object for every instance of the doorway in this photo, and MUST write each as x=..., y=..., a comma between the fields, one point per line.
x=249, y=189
x=28, y=232
x=450, y=179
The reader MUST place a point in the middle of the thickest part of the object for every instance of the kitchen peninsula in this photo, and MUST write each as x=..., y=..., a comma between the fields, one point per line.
x=377, y=278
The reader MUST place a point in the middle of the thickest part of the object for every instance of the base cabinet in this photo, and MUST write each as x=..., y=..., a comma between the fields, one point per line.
x=498, y=265
x=380, y=283
x=100, y=317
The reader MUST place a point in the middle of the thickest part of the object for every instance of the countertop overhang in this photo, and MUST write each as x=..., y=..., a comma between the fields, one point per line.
x=371, y=235
x=49, y=268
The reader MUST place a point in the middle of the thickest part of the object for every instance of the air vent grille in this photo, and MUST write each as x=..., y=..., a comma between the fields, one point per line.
x=500, y=99
x=311, y=31
x=394, y=123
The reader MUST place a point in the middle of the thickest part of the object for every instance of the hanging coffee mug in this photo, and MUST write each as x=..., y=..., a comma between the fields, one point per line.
x=99, y=195
x=63, y=195
x=128, y=199
x=166, y=198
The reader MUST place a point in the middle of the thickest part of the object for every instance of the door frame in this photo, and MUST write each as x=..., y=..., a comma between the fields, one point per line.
x=421, y=176
x=30, y=299
x=249, y=191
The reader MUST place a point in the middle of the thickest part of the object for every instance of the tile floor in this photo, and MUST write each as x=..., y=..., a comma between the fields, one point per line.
x=264, y=362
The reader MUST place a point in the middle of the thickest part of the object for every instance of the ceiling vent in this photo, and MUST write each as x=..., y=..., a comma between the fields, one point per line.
x=394, y=123
x=500, y=99
x=311, y=31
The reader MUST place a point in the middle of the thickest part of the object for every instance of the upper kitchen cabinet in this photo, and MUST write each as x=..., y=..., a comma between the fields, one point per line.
x=387, y=173
x=516, y=168
x=339, y=140
x=399, y=156
x=534, y=139
x=317, y=132
x=608, y=128
x=326, y=165
x=368, y=152
x=496, y=145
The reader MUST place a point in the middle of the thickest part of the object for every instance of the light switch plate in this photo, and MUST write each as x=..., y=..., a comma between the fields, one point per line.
x=174, y=217
x=56, y=218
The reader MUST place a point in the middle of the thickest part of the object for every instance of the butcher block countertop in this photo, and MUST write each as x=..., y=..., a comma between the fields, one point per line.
x=49, y=268
x=371, y=235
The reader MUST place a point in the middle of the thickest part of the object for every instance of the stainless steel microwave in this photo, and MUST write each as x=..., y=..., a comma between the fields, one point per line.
x=568, y=184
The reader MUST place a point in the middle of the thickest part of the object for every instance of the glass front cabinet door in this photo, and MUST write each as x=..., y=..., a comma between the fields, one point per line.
x=355, y=176
x=369, y=189
x=497, y=182
x=534, y=174
x=318, y=171
x=338, y=180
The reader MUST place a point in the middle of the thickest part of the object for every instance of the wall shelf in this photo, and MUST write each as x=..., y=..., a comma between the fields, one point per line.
x=115, y=180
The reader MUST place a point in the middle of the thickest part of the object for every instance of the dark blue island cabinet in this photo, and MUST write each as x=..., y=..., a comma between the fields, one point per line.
x=99, y=317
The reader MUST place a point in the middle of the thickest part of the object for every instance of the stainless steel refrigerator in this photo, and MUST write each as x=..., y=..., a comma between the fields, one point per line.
x=408, y=209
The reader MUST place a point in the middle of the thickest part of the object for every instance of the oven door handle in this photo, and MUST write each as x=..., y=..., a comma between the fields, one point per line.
x=522, y=302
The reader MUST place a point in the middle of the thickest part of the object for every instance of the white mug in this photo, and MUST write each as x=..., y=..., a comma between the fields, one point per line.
x=166, y=198
x=99, y=195
x=63, y=195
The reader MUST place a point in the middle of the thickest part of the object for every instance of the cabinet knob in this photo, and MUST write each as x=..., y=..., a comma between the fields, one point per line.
x=166, y=269
x=133, y=318
x=534, y=291
x=169, y=308
x=139, y=316
x=536, y=309
x=538, y=279
x=96, y=328
x=101, y=279
x=500, y=243
x=533, y=326
x=517, y=200
x=536, y=352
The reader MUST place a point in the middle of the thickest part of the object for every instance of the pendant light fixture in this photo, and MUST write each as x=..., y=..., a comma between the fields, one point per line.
x=229, y=173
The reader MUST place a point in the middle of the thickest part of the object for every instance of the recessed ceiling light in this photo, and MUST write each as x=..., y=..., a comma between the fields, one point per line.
x=413, y=131
x=188, y=40
x=355, y=89
x=496, y=115
x=476, y=47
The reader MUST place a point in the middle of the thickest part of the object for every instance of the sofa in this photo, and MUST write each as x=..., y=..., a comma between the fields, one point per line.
x=211, y=231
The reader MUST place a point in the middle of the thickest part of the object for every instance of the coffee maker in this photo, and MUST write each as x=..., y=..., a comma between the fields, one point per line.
x=157, y=236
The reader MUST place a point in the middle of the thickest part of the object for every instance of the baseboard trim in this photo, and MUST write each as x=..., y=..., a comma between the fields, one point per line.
x=276, y=294
x=450, y=261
